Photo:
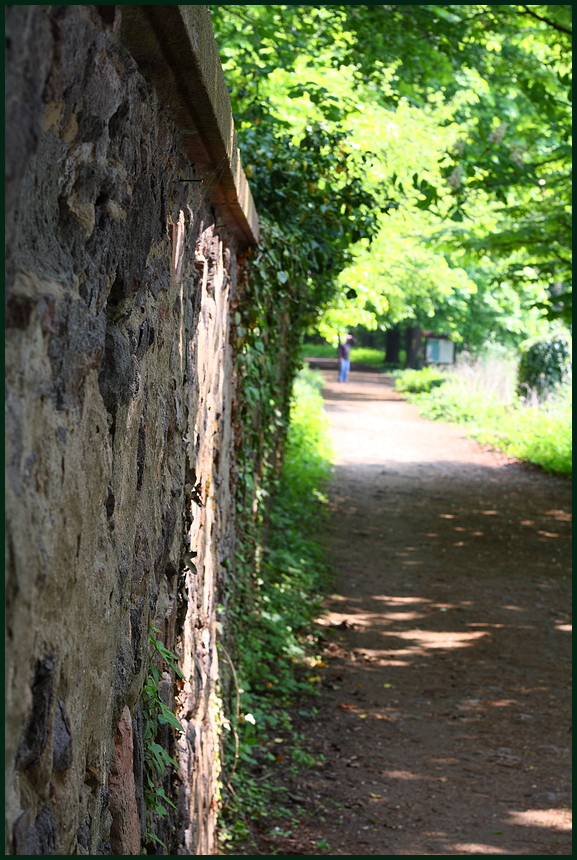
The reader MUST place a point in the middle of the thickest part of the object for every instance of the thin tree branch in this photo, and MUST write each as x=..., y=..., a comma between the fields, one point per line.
x=550, y=160
x=548, y=21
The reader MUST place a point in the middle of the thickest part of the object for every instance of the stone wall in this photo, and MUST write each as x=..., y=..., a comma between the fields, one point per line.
x=122, y=261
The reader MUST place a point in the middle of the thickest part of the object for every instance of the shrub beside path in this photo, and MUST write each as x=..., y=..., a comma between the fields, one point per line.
x=444, y=712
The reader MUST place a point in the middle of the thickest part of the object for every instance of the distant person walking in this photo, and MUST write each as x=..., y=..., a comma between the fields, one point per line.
x=343, y=352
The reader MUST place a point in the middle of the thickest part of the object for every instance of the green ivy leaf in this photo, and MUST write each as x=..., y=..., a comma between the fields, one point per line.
x=167, y=717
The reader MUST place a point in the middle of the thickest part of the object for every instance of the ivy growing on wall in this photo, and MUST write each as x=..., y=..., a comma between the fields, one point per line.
x=156, y=715
x=306, y=241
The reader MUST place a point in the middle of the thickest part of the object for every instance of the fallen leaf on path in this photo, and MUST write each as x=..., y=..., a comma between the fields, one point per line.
x=347, y=707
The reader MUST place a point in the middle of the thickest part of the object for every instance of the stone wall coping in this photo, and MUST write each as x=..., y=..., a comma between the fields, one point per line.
x=175, y=49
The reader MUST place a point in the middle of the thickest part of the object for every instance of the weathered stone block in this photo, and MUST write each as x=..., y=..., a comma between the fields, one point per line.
x=41, y=837
x=125, y=830
x=61, y=740
x=117, y=370
x=37, y=729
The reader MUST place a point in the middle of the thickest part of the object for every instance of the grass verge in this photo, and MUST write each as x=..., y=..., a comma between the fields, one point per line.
x=276, y=643
x=539, y=434
x=359, y=354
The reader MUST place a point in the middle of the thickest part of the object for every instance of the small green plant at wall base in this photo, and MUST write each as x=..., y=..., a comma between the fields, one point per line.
x=156, y=714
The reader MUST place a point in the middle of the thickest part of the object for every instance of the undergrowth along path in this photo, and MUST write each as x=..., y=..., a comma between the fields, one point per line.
x=444, y=711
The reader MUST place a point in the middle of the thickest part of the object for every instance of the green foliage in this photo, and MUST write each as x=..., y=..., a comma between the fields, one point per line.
x=318, y=350
x=366, y=355
x=540, y=434
x=308, y=450
x=156, y=714
x=310, y=379
x=419, y=381
x=545, y=364
x=514, y=123
x=273, y=636
x=312, y=207
x=454, y=402
x=359, y=354
x=312, y=188
x=289, y=582
x=463, y=147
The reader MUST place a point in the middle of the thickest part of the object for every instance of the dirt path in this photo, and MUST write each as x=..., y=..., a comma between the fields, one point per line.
x=444, y=716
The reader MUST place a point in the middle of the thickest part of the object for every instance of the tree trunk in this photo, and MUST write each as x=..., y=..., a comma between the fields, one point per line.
x=413, y=337
x=392, y=345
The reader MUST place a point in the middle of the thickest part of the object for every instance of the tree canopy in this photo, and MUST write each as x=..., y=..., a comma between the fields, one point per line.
x=409, y=162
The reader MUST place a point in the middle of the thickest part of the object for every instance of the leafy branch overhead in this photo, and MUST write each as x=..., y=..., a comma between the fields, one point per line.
x=492, y=85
